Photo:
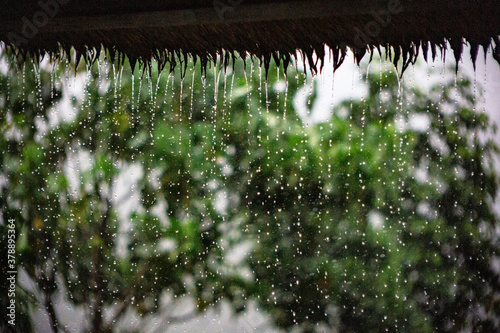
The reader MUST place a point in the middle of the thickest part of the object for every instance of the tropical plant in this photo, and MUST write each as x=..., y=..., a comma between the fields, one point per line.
x=361, y=223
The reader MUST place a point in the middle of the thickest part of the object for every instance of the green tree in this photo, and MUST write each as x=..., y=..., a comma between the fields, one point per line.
x=360, y=223
x=364, y=224
x=69, y=234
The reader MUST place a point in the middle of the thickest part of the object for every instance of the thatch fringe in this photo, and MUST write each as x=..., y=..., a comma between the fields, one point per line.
x=172, y=32
x=313, y=57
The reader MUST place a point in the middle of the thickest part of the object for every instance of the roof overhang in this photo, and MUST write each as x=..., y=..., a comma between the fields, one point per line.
x=206, y=29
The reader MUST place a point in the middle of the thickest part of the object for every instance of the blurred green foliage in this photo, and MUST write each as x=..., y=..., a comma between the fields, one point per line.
x=361, y=223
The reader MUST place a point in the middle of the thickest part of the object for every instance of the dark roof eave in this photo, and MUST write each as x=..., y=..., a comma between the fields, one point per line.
x=267, y=29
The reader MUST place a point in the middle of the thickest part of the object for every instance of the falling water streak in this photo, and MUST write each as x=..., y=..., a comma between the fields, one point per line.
x=172, y=85
x=485, y=78
x=69, y=77
x=349, y=140
x=308, y=80
x=362, y=138
x=286, y=97
x=443, y=72
x=457, y=96
x=224, y=105
x=217, y=72
x=454, y=119
x=138, y=104
x=204, y=109
x=38, y=82
x=165, y=102
x=115, y=89
x=149, y=78
x=260, y=91
x=85, y=89
x=52, y=97
x=492, y=132
x=277, y=90
x=152, y=108
x=190, y=122
x=189, y=125
x=297, y=78
x=99, y=72
x=133, y=108
x=267, y=97
x=311, y=90
x=413, y=84
x=363, y=112
x=380, y=92
x=405, y=116
x=86, y=95
x=380, y=114
x=249, y=86
x=428, y=85
x=245, y=72
x=8, y=89
x=180, y=96
x=132, y=98
x=108, y=78
x=224, y=121
x=157, y=88
x=214, y=114
x=333, y=93
x=23, y=106
x=474, y=90
x=115, y=79
x=120, y=77
x=190, y=117
x=100, y=81
x=52, y=84
x=119, y=83
x=224, y=101
x=204, y=87
x=400, y=162
x=231, y=92
x=397, y=119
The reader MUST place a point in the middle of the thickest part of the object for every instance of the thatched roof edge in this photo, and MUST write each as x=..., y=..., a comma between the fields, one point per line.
x=269, y=30
x=313, y=57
